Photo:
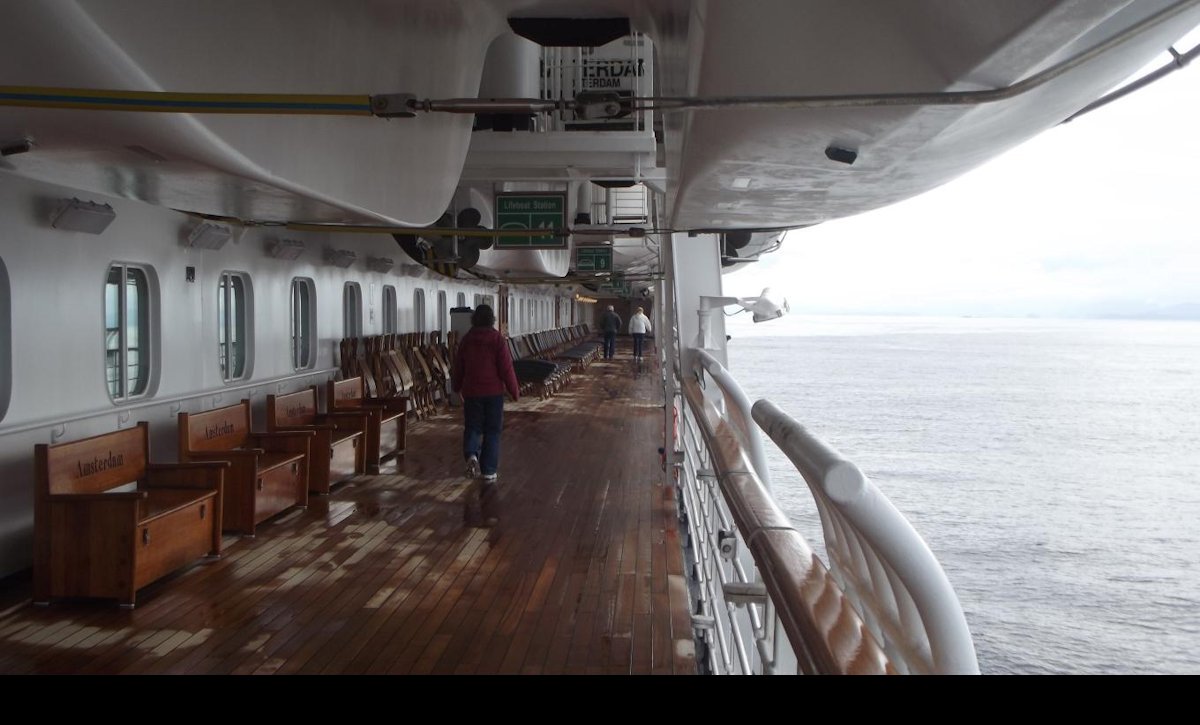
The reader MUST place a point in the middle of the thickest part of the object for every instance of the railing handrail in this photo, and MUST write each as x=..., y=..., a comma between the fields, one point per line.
x=826, y=633
x=739, y=409
x=885, y=529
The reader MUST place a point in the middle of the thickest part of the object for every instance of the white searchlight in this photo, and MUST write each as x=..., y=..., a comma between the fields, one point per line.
x=767, y=306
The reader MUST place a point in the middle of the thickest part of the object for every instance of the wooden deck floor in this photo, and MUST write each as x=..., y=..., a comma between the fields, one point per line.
x=581, y=573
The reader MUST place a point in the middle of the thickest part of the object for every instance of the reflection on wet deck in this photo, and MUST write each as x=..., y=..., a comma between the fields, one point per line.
x=572, y=565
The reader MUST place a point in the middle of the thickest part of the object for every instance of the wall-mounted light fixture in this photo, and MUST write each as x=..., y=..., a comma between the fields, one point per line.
x=766, y=306
x=340, y=257
x=380, y=264
x=285, y=249
x=209, y=235
x=585, y=299
x=73, y=215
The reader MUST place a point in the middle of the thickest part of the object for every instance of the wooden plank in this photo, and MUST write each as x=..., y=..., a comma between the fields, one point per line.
x=363, y=628
x=582, y=574
x=381, y=651
x=408, y=642
x=294, y=615
x=557, y=606
x=290, y=586
x=453, y=541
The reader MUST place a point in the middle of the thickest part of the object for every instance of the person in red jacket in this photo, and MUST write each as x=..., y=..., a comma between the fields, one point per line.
x=483, y=371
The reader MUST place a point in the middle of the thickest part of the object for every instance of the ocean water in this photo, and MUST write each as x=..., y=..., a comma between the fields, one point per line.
x=1052, y=466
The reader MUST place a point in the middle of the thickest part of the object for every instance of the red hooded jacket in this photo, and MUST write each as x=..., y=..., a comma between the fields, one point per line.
x=483, y=366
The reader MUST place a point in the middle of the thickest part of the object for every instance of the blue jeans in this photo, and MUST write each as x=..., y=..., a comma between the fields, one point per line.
x=638, y=339
x=610, y=345
x=483, y=418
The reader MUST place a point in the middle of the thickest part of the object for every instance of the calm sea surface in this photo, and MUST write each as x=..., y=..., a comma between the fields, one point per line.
x=1052, y=466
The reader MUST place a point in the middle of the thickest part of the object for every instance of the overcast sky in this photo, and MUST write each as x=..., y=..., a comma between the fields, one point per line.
x=1099, y=216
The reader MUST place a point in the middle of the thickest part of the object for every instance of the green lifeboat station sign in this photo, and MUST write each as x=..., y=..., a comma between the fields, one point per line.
x=593, y=259
x=535, y=210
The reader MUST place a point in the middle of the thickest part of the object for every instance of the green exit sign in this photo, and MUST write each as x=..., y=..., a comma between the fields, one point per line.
x=531, y=211
x=593, y=259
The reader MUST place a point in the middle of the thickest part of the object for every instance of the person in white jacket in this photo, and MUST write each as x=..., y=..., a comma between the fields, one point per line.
x=639, y=327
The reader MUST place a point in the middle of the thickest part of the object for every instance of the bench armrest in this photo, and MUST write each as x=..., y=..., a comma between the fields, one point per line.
x=303, y=428
x=346, y=420
x=81, y=497
x=231, y=454
x=290, y=442
x=207, y=475
x=396, y=402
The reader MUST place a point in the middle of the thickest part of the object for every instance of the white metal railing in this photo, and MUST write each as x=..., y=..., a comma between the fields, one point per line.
x=621, y=206
x=877, y=557
x=737, y=408
x=627, y=205
x=764, y=602
x=729, y=636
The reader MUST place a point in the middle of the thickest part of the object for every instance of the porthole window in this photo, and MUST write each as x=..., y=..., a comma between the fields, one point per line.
x=352, y=310
x=303, y=318
x=389, y=310
x=233, y=330
x=127, y=356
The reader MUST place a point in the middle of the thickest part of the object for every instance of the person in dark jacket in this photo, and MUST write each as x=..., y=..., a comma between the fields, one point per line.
x=483, y=371
x=610, y=325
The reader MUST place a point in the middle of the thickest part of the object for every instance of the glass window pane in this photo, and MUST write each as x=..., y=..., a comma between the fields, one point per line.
x=237, y=316
x=126, y=331
x=293, y=318
x=222, y=325
x=232, y=342
x=112, y=332
x=137, y=325
x=389, y=309
x=352, y=310
x=306, y=322
x=301, y=319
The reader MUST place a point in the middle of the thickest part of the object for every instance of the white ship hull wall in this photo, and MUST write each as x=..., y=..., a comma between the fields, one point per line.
x=53, y=334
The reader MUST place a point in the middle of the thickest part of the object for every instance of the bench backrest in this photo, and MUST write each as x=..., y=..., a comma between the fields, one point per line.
x=93, y=465
x=345, y=393
x=221, y=429
x=294, y=409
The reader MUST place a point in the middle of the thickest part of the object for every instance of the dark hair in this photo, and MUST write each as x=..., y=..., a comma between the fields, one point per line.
x=483, y=316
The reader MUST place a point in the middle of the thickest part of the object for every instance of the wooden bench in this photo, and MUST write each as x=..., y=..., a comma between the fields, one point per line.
x=107, y=522
x=268, y=471
x=337, y=451
x=387, y=422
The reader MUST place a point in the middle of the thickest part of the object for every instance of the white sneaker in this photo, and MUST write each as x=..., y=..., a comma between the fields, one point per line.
x=489, y=478
x=472, y=467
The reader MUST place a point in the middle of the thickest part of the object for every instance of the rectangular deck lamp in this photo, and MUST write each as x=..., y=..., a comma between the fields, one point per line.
x=340, y=257
x=380, y=264
x=73, y=215
x=209, y=235
x=286, y=249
